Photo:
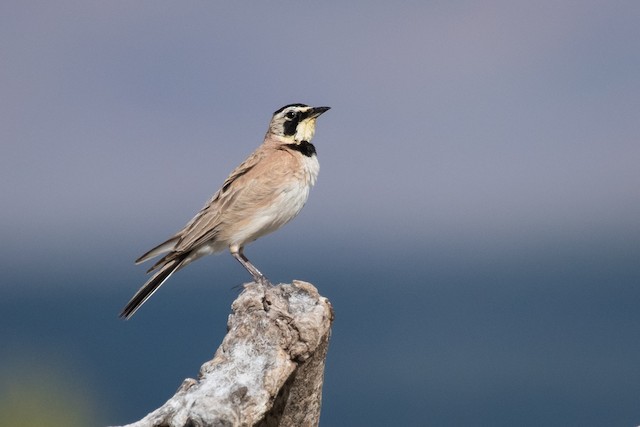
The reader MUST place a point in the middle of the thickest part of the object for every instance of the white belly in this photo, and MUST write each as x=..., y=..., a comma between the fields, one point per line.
x=284, y=207
x=270, y=218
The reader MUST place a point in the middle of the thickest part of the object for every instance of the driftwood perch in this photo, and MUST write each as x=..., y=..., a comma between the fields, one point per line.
x=269, y=369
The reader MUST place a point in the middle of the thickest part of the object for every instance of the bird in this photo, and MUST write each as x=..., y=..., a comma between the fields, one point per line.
x=262, y=194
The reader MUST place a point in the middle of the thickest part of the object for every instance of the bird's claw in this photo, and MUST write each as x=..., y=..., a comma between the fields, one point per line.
x=262, y=280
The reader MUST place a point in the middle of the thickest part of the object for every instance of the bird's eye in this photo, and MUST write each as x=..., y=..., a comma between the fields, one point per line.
x=290, y=114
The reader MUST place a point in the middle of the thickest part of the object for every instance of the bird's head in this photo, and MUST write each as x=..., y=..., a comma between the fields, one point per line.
x=295, y=122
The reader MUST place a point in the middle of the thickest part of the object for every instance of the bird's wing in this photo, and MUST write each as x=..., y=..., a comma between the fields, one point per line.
x=205, y=225
x=164, y=247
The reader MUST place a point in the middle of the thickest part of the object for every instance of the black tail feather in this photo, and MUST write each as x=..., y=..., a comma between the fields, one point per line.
x=152, y=285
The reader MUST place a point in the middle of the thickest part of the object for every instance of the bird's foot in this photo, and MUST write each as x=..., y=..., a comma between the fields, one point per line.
x=262, y=280
x=266, y=286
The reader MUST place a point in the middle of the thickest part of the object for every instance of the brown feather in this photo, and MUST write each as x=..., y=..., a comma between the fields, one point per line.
x=263, y=193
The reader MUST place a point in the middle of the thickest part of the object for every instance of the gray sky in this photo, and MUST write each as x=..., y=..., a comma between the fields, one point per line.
x=450, y=120
x=475, y=218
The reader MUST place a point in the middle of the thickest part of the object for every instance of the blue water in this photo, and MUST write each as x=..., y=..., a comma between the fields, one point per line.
x=549, y=336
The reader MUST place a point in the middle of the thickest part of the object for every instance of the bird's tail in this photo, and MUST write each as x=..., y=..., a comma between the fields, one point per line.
x=152, y=285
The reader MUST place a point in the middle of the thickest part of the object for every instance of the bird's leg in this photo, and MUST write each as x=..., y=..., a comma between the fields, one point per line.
x=257, y=276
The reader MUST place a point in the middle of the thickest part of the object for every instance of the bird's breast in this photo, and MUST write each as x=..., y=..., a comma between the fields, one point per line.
x=274, y=196
x=311, y=168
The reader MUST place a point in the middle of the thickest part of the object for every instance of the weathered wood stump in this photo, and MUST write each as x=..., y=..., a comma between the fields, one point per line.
x=269, y=369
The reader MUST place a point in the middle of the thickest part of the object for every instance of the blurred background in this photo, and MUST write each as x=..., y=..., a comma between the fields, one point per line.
x=475, y=223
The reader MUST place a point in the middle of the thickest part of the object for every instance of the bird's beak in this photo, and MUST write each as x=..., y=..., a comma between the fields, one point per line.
x=316, y=111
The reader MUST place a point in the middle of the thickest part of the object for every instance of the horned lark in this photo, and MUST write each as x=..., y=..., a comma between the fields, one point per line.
x=261, y=195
